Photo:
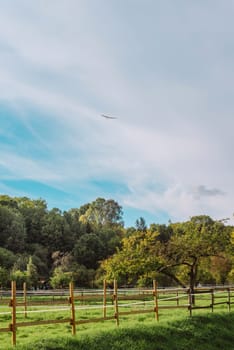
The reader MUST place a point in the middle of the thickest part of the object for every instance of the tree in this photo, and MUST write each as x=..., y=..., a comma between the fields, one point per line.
x=4, y=277
x=134, y=259
x=61, y=279
x=34, y=213
x=56, y=232
x=32, y=274
x=230, y=276
x=12, y=229
x=7, y=258
x=195, y=240
x=8, y=202
x=190, y=243
x=141, y=224
x=20, y=277
x=110, y=237
x=89, y=250
x=103, y=212
x=76, y=227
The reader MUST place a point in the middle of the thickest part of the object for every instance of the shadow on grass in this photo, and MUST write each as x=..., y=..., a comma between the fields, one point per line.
x=210, y=332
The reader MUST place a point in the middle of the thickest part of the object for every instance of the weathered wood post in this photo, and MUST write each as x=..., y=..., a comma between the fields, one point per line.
x=13, y=312
x=212, y=300
x=73, y=313
x=155, y=294
x=229, y=299
x=25, y=299
x=104, y=298
x=115, y=296
x=190, y=301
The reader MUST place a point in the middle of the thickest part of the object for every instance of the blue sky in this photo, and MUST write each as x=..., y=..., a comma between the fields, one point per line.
x=163, y=68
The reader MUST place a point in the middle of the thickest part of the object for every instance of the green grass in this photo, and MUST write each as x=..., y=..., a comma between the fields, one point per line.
x=201, y=332
x=175, y=329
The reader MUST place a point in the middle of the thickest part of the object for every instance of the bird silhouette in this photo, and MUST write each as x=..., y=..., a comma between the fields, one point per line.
x=107, y=116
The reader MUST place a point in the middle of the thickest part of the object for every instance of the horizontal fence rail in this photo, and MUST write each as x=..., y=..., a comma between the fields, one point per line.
x=112, y=303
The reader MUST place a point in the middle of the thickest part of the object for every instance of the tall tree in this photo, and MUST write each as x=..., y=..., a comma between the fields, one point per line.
x=89, y=250
x=34, y=213
x=56, y=232
x=141, y=224
x=12, y=229
x=103, y=212
x=190, y=242
x=32, y=273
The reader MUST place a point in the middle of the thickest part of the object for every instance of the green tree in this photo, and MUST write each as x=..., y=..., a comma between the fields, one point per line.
x=7, y=258
x=34, y=213
x=8, y=202
x=4, y=277
x=40, y=257
x=20, y=277
x=103, y=212
x=191, y=242
x=12, y=229
x=76, y=227
x=32, y=274
x=141, y=224
x=195, y=240
x=56, y=232
x=134, y=259
x=61, y=279
x=89, y=250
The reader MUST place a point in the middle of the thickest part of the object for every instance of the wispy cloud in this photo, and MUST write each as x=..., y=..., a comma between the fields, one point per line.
x=203, y=191
x=166, y=71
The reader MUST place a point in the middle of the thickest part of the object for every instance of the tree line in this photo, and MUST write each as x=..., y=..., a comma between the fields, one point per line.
x=87, y=244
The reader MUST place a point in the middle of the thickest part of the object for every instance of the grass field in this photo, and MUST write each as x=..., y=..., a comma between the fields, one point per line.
x=201, y=332
x=175, y=329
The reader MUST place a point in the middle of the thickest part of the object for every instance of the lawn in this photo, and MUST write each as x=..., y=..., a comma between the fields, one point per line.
x=175, y=329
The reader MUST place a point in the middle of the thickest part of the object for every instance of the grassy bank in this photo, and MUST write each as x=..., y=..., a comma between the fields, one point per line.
x=200, y=332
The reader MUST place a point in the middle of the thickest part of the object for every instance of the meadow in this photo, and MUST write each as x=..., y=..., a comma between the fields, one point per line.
x=176, y=329
x=204, y=331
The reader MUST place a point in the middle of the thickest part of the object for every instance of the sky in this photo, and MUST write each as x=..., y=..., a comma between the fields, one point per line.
x=163, y=68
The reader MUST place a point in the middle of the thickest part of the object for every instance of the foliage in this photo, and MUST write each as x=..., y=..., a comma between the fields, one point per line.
x=88, y=250
x=20, y=277
x=4, y=277
x=55, y=232
x=60, y=279
x=12, y=229
x=177, y=252
x=32, y=274
x=141, y=224
x=103, y=212
x=91, y=240
x=7, y=258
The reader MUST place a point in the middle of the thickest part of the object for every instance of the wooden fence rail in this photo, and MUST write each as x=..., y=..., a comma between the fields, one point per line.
x=152, y=300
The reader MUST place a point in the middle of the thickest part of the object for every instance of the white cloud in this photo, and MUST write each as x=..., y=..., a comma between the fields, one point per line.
x=164, y=71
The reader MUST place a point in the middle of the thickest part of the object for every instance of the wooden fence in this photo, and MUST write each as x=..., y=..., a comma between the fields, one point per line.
x=116, y=301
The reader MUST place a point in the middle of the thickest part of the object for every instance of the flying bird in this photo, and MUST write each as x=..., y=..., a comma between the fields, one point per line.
x=107, y=116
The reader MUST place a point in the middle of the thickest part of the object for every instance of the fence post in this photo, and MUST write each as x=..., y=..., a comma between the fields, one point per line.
x=229, y=299
x=155, y=294
x=190, y=300
x=212, y=300
x=73, y=314
x=104, y=298
x=25, y=299
x=115, y=296
x=13, y=312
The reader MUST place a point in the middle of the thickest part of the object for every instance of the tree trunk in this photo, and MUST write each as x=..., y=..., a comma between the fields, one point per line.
x=192, y=281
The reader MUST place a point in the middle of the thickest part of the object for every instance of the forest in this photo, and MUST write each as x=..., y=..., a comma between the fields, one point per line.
x=49, y=248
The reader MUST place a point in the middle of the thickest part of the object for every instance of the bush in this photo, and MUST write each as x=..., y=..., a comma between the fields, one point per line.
x=61, y=279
